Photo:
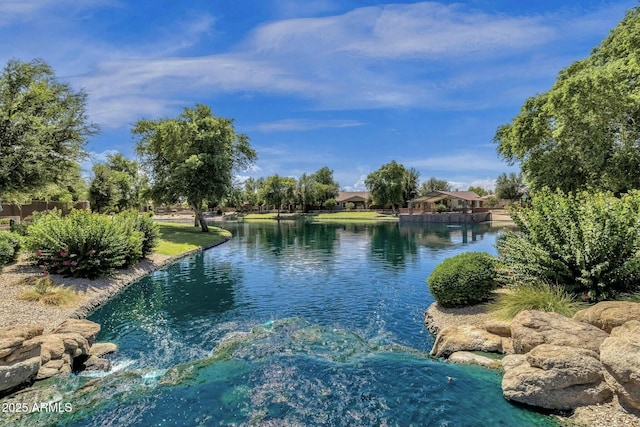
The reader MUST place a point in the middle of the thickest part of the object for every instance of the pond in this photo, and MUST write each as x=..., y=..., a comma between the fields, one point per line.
x=297, y=324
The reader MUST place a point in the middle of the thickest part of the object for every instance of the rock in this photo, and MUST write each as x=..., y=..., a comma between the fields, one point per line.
x=466, y=357
x=620, y=355
x=465, y=337
x=19, y=358
x=18, y=373
x=101, y=348
x=498, y=327
x=26, y=332
x=531, y=328
x=59, y=351
x=94, y=363
x=607, y=315
x=555, y=377
x=86, y=328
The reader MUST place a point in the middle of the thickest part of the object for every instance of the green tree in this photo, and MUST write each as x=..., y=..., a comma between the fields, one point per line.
x=583, y=133
x=412, y=177
x=103, y=191
x=325, y=187
x=510, y=186
x=192, y=157
x=277, y=191
x=434, y=184
x=131, y=184
x=388, y=184
x=478, y=190
x=307, y=192
x=43, y=128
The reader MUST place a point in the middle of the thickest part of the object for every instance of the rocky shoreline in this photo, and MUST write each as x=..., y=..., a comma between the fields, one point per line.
x=613, y=400
x=38, y=341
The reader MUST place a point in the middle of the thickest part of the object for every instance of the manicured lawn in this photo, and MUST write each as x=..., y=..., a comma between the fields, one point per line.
x=333, y=216
x=177, y=238
x=339, y=216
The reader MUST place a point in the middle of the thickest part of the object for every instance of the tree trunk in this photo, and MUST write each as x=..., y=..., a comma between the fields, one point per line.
x=201, y=220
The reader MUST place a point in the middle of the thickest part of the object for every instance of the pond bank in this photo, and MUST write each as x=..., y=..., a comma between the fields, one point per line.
x=610, y=414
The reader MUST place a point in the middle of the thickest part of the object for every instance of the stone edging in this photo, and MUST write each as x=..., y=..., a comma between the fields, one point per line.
x=119, y=285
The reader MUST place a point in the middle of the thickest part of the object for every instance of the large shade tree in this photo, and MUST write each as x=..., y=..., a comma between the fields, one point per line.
x=192, y=157
x=388, y=184
x=433, y=184
x=585, y=131
x=278, y=190
x=43, y=128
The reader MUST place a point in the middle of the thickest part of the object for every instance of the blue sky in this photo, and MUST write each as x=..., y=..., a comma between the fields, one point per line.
x=348, y=84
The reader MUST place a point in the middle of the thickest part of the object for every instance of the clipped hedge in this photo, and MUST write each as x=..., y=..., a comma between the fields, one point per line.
x=464, y=279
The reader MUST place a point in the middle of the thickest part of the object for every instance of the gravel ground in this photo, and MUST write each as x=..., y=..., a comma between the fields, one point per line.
x=14, y=311
x=610, y=414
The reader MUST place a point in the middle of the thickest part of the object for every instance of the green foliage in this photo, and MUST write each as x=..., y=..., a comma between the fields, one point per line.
x=277, y=191
x=388, y=184
x=350, y=206
x=583, y=132
x=588, y=243
x=192, y=157
x=534, y=297
x=509, y=186
x=462, y=280
x=43, y=128
x=83, y=244
x=491, y=201
x=478, y=190
x=330, y=203
x=145, y=224
x=440, y=208
x=10, y=244
x=434, y=184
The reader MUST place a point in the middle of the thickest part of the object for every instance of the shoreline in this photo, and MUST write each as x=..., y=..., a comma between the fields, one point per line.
x=610, y=414
x=91, y=293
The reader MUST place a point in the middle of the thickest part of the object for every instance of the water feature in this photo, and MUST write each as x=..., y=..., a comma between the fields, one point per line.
x=295, y=323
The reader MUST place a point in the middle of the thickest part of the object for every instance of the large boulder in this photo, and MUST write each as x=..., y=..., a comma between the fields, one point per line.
x=59, y=352
x=465, y=338
x=620, y=355
x=19, y=358
x=607, y=315
x=86, y=328
x=530, y=328
x=555, y=377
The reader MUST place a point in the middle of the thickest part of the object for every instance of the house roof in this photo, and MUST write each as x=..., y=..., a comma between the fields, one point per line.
x=435, y=196
x=347, y=196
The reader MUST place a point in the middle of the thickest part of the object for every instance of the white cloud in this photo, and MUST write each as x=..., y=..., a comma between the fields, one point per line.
x=304, y=125
x=464, y=161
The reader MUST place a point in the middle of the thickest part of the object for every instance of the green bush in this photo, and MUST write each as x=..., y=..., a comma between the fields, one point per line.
x=440, y=208
x=588, y=243
x=350, y=206
x=462, y=280
x=10, y=244
x=535, y=297
x=145, y=224
x=82, y=244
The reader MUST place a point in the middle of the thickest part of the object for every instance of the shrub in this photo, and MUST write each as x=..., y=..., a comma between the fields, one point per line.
x=535, y=297
x=440, y=208
x=10, y=244
x=587, y=243
x=462, y=280
x=330, y=203
x=145, y=224
x=83, y=244
x=350, y=206
x=45, y=292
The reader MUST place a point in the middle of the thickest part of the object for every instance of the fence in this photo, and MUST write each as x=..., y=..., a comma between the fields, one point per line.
x=23, y=211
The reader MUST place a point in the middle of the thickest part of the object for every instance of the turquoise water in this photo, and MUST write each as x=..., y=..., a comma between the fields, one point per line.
x=291, y=324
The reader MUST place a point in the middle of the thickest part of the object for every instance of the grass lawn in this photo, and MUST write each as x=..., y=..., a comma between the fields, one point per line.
x=178, y=238
x=333, y=216
x=353, y=216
